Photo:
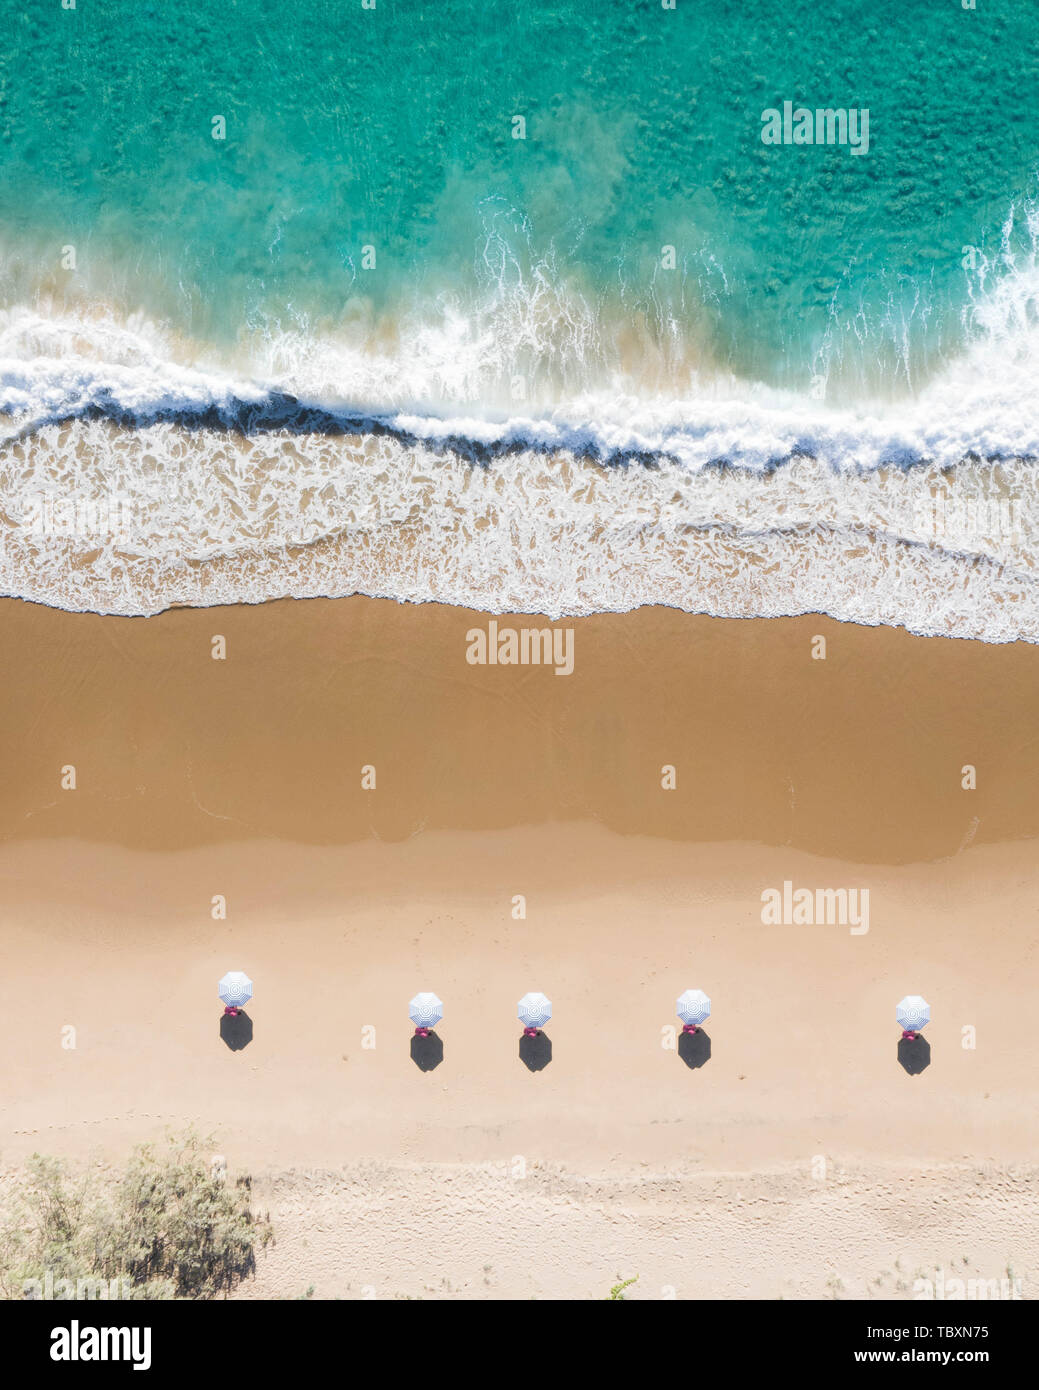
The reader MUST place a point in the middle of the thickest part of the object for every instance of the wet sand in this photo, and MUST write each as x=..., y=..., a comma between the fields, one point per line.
x=856, y=756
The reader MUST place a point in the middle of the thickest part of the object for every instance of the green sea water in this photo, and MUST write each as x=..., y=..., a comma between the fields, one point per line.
x=393, y=128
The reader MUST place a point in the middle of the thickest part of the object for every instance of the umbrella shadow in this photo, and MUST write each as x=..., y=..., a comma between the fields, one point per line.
x=236, y=1032
x=535, y=1053
x=914, y=1054
x=427, y=1053
x=694, y=1048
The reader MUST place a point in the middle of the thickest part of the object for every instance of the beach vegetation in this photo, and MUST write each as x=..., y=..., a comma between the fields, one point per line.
x=166, y=1225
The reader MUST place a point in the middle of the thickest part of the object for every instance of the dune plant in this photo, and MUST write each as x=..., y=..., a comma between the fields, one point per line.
x=166, y=1225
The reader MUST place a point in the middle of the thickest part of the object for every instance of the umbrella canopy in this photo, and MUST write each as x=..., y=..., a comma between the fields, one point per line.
x=534, y=1010
x=693, y=1007
x=425, y=1010
x=912, y=1013
x=236, y=988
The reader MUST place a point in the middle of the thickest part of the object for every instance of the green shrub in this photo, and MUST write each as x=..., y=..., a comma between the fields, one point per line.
x=165, y=1226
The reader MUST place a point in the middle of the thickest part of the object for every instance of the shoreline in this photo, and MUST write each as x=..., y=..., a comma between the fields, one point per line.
x=132, y=522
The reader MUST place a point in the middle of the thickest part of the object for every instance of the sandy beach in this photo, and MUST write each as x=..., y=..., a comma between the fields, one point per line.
x=790, y=1154
x=340, y=360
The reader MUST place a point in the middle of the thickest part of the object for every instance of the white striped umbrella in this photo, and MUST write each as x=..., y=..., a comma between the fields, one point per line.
x=693, y=1007
x=425, y=1010
x=236, y=988
x=534, y=1010
x=912, y=1013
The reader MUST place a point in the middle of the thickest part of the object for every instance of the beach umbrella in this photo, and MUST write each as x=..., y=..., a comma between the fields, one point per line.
x=534, y=1011
x=236, y=988
x=693, y=1007
x=912, y=1013
x=425, y=1010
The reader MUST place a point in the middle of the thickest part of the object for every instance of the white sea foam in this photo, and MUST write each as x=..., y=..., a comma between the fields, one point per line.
x=131, y=521
x=134, y=473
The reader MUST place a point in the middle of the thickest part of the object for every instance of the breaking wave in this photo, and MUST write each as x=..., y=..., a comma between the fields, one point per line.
x=135, y=473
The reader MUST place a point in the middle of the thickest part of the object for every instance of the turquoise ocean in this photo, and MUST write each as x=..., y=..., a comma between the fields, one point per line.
x=509, y=304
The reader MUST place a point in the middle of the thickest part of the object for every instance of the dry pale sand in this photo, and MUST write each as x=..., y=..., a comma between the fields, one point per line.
x=799, y=1159
x=385, y=1231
